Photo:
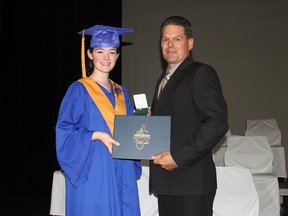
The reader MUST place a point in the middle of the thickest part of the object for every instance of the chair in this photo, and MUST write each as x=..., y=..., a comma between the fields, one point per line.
x=279, y=162
x=236, y=194
x=267, y=187
x=269, y=128
x=218, y=153
x=219, y=150
x=264, y=127
x=57, y=205
x=254, y=153
x=148, y=202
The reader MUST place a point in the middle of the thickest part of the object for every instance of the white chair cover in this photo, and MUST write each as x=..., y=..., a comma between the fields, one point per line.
x=148, y=203
x=236, y=194
x=252, y=152
x=264, y=127
x=57, y=205
x=268, y=191
x=223, y=141
x=279, y=163
x=218, y=153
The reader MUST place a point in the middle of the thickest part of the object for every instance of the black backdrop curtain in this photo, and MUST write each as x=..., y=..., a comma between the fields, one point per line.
x=40, y=57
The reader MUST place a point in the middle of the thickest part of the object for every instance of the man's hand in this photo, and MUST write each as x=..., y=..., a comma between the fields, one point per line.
x=165, y=160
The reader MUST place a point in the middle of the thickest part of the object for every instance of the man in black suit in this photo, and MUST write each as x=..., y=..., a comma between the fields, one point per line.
x=184, y=178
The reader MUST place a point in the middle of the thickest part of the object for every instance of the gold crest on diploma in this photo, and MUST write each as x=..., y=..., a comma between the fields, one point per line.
x=141, y=137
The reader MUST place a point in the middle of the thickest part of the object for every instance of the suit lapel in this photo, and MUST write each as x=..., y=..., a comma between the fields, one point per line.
x=175, y=78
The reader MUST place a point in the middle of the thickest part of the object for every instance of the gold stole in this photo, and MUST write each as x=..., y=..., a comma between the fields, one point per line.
x=103, y=103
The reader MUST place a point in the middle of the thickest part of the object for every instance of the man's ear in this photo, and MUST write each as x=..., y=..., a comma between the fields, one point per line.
x=191, y=43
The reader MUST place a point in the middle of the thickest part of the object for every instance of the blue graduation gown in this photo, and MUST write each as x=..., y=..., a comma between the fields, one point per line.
x=96, y=184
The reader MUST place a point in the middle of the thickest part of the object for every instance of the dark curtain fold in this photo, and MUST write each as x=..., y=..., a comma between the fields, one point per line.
x=40, y=57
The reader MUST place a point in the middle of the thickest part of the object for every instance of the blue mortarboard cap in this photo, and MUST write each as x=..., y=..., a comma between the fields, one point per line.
x=101, y=37
x=105, y=36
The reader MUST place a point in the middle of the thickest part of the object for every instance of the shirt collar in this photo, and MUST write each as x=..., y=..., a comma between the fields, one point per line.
x=173, y=69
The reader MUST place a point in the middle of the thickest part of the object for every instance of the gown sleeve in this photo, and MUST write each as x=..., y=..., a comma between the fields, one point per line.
x=73, y=139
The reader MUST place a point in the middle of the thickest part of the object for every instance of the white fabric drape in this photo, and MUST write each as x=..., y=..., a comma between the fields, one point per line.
x=264, y=127
x=254, y=153
x=236, y=194
x=57, y=205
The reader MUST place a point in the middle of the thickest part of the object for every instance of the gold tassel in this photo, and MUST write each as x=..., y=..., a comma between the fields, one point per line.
x=83, y=56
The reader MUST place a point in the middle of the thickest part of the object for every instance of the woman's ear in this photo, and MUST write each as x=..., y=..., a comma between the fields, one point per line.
x=89, y=54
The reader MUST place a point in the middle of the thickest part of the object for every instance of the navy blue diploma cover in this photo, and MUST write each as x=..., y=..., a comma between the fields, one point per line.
x=140, y=137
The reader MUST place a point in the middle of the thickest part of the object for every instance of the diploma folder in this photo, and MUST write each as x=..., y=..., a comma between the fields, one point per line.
x=140, y=137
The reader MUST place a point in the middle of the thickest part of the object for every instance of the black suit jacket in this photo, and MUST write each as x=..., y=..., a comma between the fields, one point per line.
x=194, y=100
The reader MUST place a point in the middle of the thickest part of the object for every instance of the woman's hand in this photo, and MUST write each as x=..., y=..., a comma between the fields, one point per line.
x=106, y=139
